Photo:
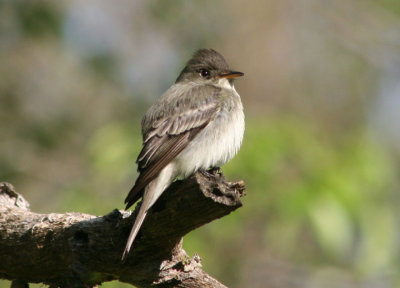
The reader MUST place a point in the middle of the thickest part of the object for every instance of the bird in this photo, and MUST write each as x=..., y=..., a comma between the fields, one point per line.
x=197, y=124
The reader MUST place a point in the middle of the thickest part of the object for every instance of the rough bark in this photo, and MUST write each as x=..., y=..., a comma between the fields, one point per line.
x=81, y=250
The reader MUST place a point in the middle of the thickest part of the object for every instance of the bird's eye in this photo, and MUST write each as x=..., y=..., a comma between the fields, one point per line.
x=204, y=73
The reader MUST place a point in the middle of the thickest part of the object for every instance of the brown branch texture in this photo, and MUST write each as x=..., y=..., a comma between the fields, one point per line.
x=81, y=250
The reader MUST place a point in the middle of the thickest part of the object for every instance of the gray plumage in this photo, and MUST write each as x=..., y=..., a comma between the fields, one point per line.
x=198, y=123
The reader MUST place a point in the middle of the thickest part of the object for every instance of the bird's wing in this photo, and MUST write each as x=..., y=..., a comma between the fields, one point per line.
x=168, y=136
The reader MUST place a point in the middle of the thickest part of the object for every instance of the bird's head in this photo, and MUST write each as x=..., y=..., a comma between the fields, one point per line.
x=209, y=66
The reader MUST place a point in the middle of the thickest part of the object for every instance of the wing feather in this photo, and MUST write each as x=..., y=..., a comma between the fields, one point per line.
x=168, y=136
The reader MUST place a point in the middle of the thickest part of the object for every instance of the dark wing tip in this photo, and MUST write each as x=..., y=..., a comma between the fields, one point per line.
x=133, y=196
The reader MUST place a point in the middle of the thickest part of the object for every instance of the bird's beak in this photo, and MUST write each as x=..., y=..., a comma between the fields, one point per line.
x=231, y=74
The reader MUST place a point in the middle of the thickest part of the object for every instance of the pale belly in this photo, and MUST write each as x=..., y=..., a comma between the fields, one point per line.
x=214, y=146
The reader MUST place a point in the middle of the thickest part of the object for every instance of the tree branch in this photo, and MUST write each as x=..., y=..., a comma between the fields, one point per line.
x=81, y=250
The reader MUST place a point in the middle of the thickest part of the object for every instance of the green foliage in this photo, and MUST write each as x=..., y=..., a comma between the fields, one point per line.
x=309, y=196
x=112, y=150
x=391, y=5
x=38, y=18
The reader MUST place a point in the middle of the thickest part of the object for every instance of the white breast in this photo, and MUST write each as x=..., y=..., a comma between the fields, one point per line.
x=217, y=143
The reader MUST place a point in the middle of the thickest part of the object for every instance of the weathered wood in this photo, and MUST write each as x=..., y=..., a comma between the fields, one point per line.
x=81, y=250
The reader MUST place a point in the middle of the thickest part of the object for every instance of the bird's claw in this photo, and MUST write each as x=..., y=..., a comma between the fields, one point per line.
x=211, y=172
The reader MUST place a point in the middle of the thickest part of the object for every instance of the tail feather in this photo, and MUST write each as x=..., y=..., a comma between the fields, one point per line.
x=135, y=229
x=151, y=193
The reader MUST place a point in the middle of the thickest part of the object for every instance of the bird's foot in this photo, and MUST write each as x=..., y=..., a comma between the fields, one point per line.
x=212, y=172
x=216, y=170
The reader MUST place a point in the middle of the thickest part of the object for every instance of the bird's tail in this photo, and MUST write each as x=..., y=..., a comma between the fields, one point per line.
x=152, y=192
x=135, y=229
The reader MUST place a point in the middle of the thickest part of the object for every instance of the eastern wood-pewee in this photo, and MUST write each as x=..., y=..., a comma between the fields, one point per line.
x=198, y=123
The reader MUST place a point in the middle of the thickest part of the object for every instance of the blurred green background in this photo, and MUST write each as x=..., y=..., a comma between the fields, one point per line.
x=320, y=156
